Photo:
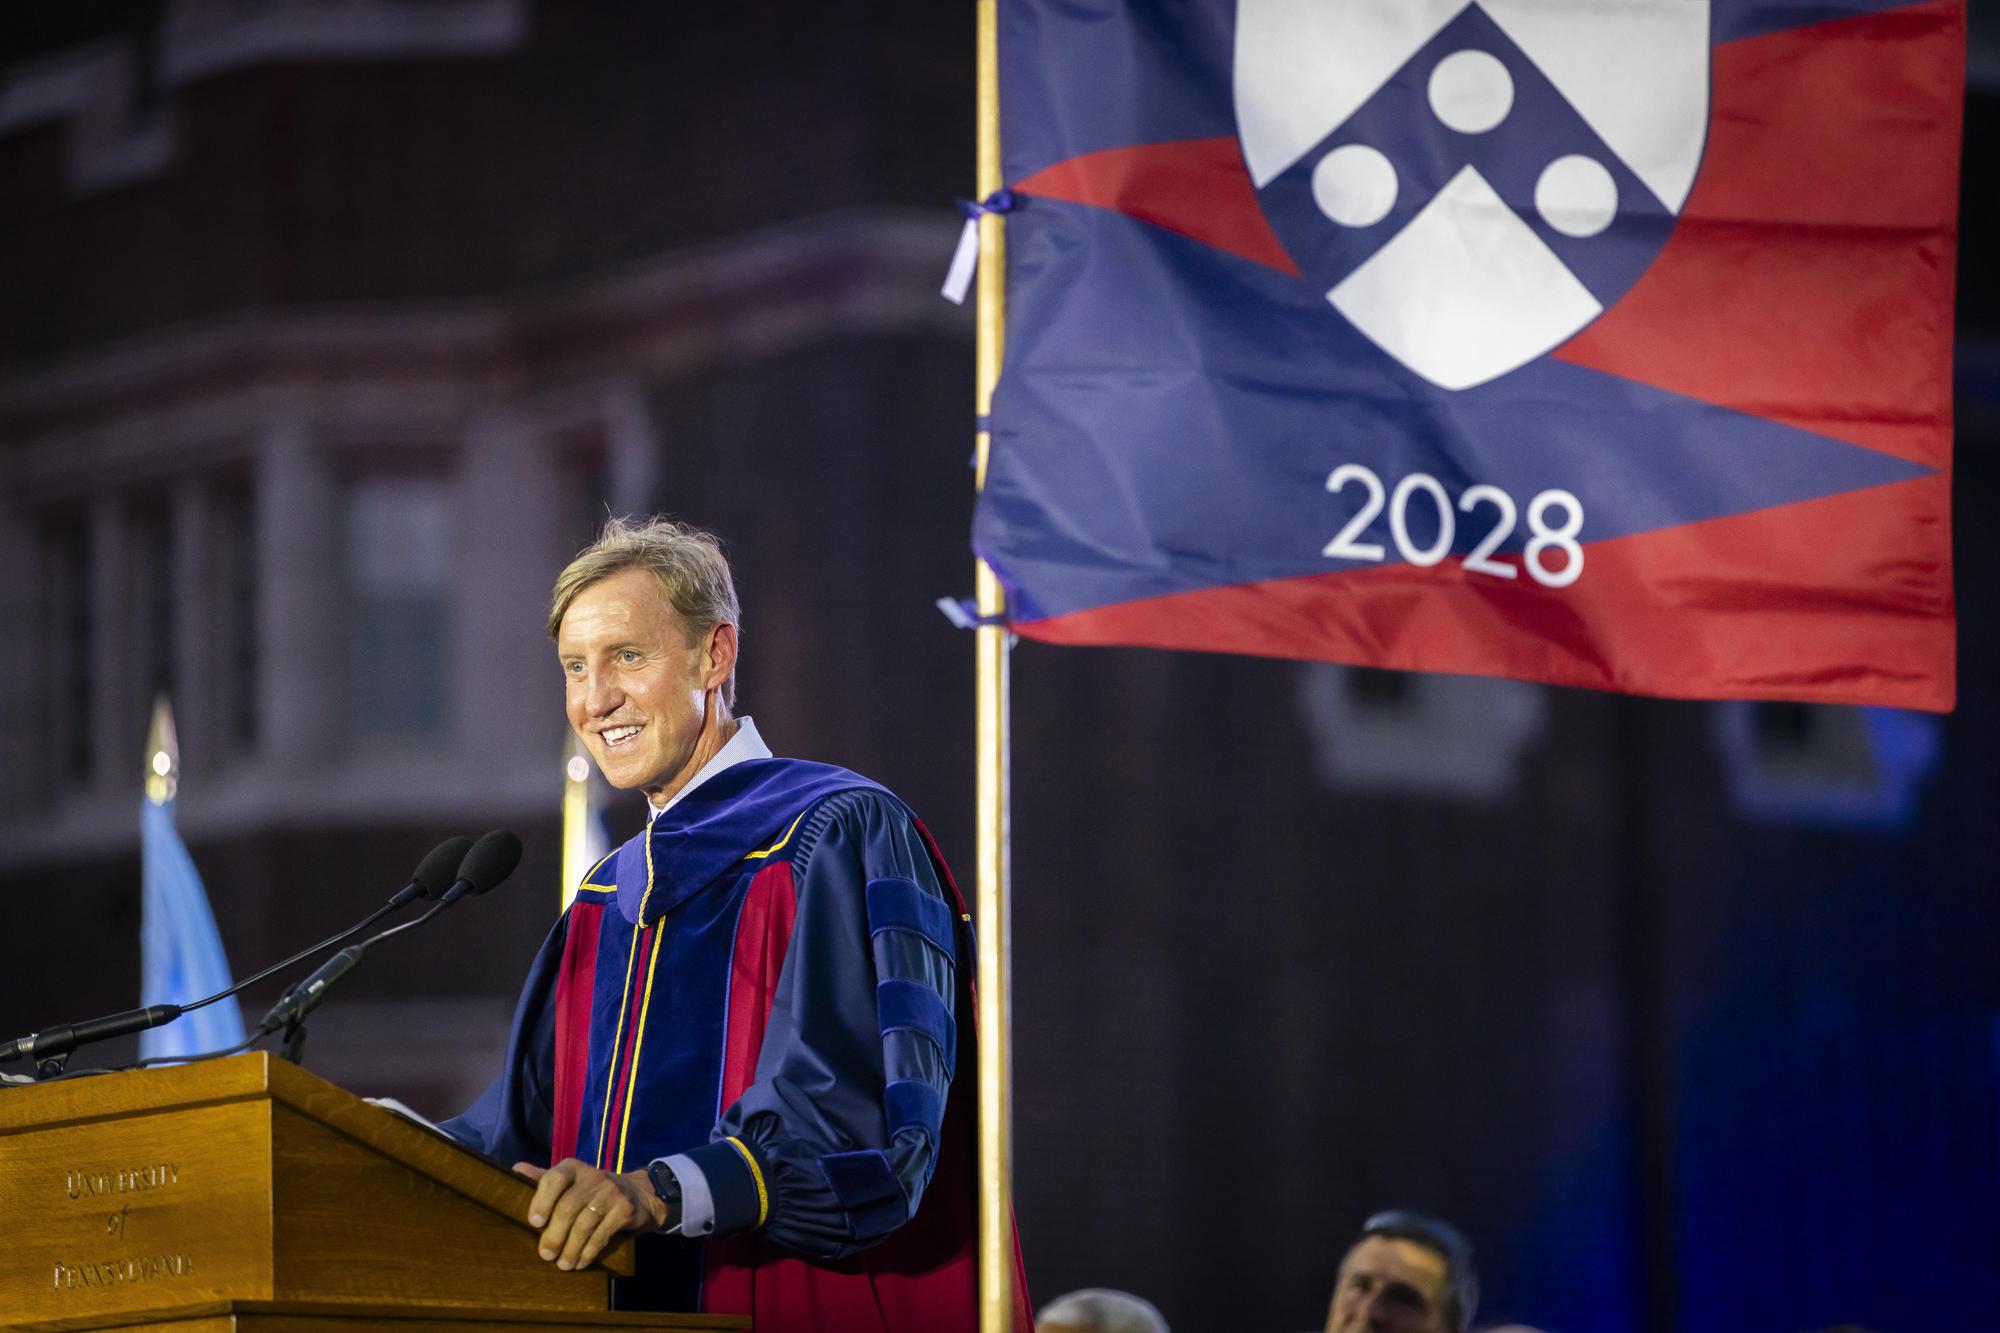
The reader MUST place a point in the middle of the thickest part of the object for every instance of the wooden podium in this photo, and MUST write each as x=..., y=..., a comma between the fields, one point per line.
x=249, y=1194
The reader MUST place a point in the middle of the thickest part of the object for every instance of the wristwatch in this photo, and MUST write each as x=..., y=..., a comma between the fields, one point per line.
x=668, y=1187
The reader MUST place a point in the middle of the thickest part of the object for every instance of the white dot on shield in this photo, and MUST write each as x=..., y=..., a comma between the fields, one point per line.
x=1576, y=195
x=1355, y=185
x=1471, y=91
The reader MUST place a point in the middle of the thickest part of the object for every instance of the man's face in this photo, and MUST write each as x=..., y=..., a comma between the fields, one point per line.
x=1389, y=1286
x=634, y=690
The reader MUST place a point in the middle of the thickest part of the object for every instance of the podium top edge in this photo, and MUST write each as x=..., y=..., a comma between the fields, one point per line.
x=133, y=1091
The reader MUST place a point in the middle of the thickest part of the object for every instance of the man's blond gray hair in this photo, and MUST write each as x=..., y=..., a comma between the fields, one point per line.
x=688, y=562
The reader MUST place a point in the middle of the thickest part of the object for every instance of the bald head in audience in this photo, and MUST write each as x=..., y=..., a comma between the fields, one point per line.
x=1099, y=1310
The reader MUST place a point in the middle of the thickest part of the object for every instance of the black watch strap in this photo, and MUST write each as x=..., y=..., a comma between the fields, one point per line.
x=668, y=1187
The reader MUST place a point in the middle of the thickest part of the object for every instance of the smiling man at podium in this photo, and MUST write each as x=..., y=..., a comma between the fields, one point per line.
x=742, y=1033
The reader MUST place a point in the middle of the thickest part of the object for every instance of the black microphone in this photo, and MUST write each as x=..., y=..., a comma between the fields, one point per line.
x=61, y=1040
x=303, y=998
x=433, y=875
x=432, y=879
x=490, y=861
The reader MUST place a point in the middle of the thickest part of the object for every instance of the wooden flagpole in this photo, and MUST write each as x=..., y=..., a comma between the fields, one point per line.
x=575, y=818
x=994, y=924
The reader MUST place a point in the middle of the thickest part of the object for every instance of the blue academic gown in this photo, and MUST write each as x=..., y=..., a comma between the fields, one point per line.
x=774, y=980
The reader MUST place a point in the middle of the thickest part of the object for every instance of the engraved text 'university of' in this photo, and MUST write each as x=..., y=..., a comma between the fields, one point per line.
x=87, y=1184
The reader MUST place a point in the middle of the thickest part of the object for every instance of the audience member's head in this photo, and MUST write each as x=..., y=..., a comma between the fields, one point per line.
x=1099, y=1310
x=1407, y=1273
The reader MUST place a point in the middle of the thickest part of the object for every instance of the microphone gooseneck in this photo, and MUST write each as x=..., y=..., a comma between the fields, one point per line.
x=427, y=881
x=432, y=879
x=483, y=867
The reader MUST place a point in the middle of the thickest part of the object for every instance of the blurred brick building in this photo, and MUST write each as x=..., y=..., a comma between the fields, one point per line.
x=333, y=330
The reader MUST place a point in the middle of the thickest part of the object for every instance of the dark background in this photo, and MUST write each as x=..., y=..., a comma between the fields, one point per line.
x=1690, y=1018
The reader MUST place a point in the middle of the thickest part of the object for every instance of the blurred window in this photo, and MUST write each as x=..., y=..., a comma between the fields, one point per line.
x=149, y=556
x=1827, y=765
x=234, y=549
x=68, y=648
x=1409, y=733
x=584, y=478
x=398, y=556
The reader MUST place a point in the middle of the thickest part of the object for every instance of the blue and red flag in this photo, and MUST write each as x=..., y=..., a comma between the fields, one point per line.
x=1595, y=342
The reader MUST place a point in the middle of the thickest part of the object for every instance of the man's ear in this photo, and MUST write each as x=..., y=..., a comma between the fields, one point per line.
x=721, y=656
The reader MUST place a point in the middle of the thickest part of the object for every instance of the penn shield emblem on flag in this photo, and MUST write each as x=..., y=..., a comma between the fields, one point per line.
x=1412, y=230
x=1603, y=343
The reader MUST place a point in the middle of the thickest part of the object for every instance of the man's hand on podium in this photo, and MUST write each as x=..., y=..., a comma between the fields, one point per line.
x=583, y=1210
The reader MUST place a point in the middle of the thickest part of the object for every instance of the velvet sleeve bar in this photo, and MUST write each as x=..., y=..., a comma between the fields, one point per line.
x=831, y=1147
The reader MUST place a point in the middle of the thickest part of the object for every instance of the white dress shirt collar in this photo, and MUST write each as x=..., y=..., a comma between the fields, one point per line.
x=745, y=744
